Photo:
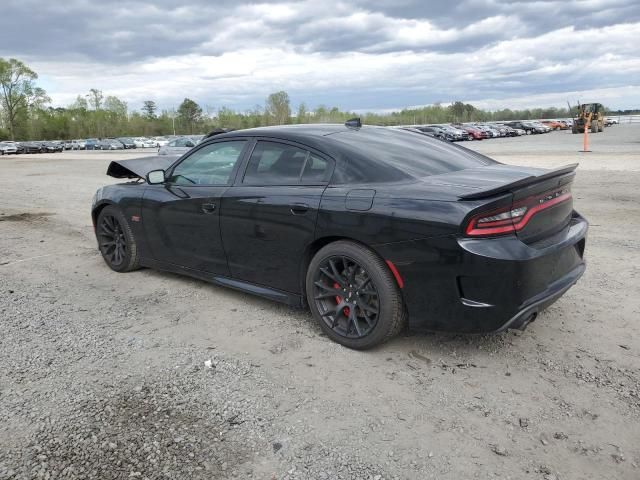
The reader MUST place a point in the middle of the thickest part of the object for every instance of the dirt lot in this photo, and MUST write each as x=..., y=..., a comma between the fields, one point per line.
x=103, y=374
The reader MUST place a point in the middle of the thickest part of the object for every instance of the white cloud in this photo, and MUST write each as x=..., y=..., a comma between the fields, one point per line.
x=356, y=55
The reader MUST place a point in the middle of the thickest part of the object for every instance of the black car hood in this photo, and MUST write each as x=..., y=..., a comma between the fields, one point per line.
x=138, y=167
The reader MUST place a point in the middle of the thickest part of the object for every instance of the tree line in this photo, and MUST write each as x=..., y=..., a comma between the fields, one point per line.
x=26, y=113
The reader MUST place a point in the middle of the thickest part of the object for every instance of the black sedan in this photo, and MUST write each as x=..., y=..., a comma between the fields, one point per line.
x=373, y=228
x=31, y=147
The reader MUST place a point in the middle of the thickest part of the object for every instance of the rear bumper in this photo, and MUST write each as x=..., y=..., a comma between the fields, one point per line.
x=488, y=285
x=534, y=306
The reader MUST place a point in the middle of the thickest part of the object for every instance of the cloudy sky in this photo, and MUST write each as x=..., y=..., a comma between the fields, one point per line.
x=356, y=54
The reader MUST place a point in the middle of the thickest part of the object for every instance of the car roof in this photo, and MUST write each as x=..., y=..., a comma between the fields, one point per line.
x=367, y=153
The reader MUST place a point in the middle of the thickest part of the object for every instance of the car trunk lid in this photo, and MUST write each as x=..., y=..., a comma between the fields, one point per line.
x=532, y=207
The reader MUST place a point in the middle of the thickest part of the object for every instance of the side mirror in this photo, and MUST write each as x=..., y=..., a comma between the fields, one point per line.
x=190, y=144
x=155, y=177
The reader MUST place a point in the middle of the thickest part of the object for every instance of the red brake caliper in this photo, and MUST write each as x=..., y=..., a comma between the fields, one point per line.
x=345, y=310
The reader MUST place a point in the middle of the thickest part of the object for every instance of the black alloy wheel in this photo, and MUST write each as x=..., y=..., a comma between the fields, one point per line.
x=353, y=295
x=115, y=240
x=346, y=297
x=113, y=243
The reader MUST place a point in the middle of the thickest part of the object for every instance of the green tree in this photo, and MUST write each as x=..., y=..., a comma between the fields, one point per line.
x=302, y=115
x=95, y=98
x=149, y=109
x=457, y=110
x=18, y=93
x=278, y=109
x=189, y=114
x=116, y=106
x=80, y=103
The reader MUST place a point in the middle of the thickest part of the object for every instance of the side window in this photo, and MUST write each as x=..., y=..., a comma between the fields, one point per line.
x=172, y=143
x=210, y=165
x=316, y=170
x=274, y=163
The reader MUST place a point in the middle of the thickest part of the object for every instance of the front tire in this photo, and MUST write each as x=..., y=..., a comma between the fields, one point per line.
x=353, y=295
x=116, y=241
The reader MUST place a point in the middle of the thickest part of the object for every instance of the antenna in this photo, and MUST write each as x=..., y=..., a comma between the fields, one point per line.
x=353, y=123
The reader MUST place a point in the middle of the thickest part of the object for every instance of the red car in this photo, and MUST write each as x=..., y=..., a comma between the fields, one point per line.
x=476, y=133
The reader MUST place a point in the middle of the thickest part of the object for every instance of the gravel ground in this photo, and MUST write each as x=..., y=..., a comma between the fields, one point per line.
x=103, y=374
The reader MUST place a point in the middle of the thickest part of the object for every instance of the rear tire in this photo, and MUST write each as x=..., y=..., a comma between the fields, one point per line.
x=353, y=295
x=594, y=127
x=116, y=241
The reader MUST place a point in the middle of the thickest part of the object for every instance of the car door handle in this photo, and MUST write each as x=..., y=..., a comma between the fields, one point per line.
x=299, y=208
x=208, y=207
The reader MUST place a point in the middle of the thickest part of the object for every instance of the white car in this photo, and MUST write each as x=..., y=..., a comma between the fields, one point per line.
x=160, y=141
x=8, y=148
x=139, y=141
x=177, y=146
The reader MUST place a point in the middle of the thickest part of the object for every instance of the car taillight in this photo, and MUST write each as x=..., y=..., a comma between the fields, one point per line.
x=516, y=217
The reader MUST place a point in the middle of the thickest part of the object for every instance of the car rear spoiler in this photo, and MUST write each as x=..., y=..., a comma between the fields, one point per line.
x=519, y=183
x=138, y=167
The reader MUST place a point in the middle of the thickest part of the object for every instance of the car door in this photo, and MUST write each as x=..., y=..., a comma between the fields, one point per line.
x=181, y=217
x=269, y=216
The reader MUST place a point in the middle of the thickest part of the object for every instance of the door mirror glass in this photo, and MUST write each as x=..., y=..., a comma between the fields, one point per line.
x=189, y=144
x=155, y=177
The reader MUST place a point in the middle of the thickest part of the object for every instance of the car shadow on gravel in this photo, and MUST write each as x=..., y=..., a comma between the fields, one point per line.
x=300, y=319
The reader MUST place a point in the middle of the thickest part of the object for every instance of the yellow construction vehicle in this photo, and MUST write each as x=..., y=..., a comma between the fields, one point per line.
x=591, y=115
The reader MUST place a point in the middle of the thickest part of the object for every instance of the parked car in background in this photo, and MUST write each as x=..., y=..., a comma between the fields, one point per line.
x=435, y=132
x=110, y=144
x=30, y=147
x=78, y=144
x=160, y=141
x=52, y=147
x=503, y=130
x=475, y=133
x=528, y=128
x=545, y=128
x=8, y=148
x=127, y=142
x=143, y=142
x=91, y=144
x=457, y=135
x=489, y=129
x=555, y=124
x=177, y=147
x=511, y=132
x=610, y=121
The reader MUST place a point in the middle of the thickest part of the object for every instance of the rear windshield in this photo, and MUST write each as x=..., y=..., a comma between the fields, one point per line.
x=385, y=154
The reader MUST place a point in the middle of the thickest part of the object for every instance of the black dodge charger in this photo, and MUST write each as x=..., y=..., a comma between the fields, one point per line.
x=373, y=228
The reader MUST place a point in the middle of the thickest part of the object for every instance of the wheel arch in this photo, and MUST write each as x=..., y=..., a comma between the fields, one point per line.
x=315, y=246
x=98, y=208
